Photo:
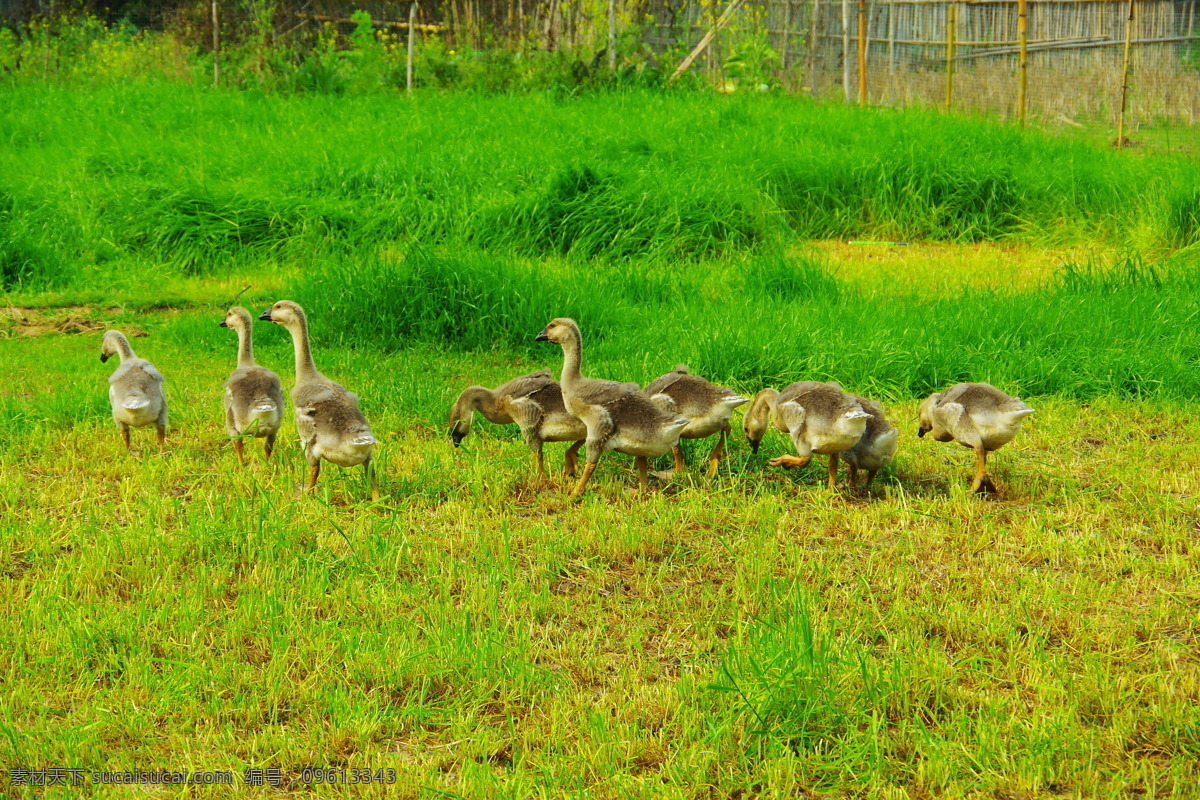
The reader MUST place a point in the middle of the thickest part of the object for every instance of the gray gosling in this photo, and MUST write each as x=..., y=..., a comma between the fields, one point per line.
x=818, y=417
x=706, y=406
x=253, y=394
x=135, y=389
x=328, y=419
x=617, y=415
x=876, y=447
x=535, y=403
x=976, y=415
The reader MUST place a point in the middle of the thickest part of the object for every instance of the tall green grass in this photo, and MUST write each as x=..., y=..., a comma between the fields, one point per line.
x=198, y=181
x=1125, y=329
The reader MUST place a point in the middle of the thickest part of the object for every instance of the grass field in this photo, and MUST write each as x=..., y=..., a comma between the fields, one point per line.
x=759, y=636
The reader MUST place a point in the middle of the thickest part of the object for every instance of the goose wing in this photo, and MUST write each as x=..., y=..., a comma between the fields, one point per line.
x=601, y=393
x=526, y=384
x=662, y=383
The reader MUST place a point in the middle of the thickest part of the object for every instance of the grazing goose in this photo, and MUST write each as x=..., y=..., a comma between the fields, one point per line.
x=328, y=419
x=253, y=394
x=135, y=389
x=819, y=418
x=976, y=415
x=707, y=408
x=617, y=415
x=535, y=403
x=876, y=447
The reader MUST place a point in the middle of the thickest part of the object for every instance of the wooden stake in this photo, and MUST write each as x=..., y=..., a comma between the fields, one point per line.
x=612, y=35
x=721, y=22
x=1023, y=61
x=412, y=28
x=813, y=23
x=1125, y=78
x=216, y=22
x=951, y=20
x=891, y=51
x=846, y=95
x=862, y=52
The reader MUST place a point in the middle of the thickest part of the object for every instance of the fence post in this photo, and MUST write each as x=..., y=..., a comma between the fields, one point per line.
x=813, y=24
x=1023, y=59
x=862, y=52
x=891, y=52
x=846, y=95
x=216, y=45
x=1125, y=78
x=412, y=27
x=612, y=35
x=951, y=20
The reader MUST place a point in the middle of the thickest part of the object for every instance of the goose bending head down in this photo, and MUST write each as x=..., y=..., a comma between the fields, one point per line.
x=617, y=416
x=706, y=406
x=976, y=415
x=135, y=389
x=328, y=418
x=535, y=403
x=818, y=417
x=253, y=394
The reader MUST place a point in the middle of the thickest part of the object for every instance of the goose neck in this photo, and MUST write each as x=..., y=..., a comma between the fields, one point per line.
x=305, y=369
x=245, y=347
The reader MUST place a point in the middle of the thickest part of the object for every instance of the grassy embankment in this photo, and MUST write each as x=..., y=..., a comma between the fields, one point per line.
x=486, y=637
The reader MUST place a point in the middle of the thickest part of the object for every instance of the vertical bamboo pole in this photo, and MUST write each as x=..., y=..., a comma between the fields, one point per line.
x=1023, y=62
x=813, y=24
x=862, y=52
x=1125, y=77
x=612, y=35
x=846, y=95
x=891, y=52
x=216, y=20
x=951, y=26
x=412, y=27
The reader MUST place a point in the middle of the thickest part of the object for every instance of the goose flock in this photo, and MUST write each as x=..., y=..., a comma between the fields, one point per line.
x=592, y=414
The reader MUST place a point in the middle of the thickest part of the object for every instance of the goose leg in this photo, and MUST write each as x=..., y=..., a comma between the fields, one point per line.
x=588, y=469
x=982, y=483
x=369, y=466
x=870, y=477
x=643, y=468
x=539, y=463
x=571, y=459
x=714, y=459
x=833, y=462
x=787, y=462
x=677, y=451
x=239, y=448
x=314, y=470
x=852, y=476
x=269, y=446
x=162, y=436
x=124, y=434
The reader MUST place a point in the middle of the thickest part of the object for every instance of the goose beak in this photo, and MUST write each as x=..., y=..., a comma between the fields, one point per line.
x=103, y=357
x=456, y=435
x=753, y=446
x=266, y=315
x=542, y=337
x=921, y=433
x=223, y=324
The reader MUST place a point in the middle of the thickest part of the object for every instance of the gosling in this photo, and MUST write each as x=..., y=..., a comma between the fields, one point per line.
x=976, y=415
x=706, y=406
x=818, y=417
x=617, y=415
x=535, y=403
x=876, y=447
x=328, y=419
x=135, y=389
x=253, y=394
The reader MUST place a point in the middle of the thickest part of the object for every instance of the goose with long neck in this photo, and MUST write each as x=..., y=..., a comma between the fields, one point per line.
x=253, y=394
x=617, y=416
x=135, y=389
x=535, y=403
x=978, y=416
x=818, y=417
x=328, y=419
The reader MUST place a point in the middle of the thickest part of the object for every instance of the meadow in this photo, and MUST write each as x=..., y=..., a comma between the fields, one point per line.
x=756, y=636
